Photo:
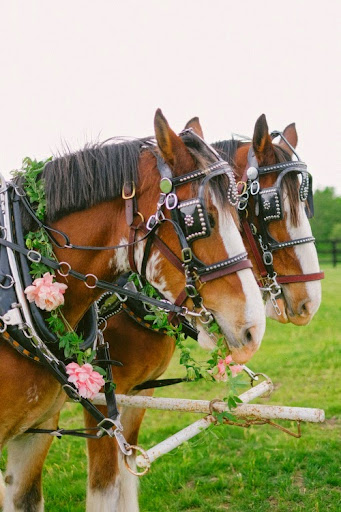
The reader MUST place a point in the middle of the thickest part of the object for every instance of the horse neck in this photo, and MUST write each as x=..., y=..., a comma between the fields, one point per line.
x=102, y=225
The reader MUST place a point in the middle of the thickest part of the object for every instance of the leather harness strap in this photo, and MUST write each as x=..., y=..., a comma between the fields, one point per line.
x=300, y=278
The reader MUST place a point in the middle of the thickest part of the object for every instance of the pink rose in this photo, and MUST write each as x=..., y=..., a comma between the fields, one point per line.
x=228, y=359
x=46, y=294
x=235, y=369
x=85, y=378
x=223, y=365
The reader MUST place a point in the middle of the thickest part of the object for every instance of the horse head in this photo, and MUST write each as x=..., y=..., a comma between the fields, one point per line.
x=276, y=200
x=222, y=286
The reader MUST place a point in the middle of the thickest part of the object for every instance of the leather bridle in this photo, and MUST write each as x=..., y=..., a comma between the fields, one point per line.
x=190, y=221
x=267, y=206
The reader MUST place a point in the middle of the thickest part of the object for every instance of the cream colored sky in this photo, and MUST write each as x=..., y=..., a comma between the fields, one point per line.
x=80, y=70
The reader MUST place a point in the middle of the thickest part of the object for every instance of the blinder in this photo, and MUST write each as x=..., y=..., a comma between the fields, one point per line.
x=193, y=213
x=271, y=200
x=194, y=219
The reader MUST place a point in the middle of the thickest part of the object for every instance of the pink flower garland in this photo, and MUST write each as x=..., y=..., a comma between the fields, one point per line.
x=85, y=378
x=46, y=294
x=223, y=365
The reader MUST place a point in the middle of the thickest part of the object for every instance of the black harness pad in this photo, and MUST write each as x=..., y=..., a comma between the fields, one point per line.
x=194, y=219
x=271, y=204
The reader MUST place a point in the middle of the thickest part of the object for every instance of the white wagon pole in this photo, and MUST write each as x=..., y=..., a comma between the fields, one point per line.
x=203, y=407
x=244, y=410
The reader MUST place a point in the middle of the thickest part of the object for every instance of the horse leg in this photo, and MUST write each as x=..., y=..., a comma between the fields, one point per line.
x=131, y=420
x=26, y=456
x=111, y=488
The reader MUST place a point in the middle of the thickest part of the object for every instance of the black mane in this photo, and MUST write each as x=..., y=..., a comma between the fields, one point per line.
x=227, y=149
x=78, y=180
x=81, y=179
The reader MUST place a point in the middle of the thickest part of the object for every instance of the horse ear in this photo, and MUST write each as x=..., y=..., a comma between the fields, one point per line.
x=261, y=140
x=172, y=148
x=194, y=123
x=290, y=134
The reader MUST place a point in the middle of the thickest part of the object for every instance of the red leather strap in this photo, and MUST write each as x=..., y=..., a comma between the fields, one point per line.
x=128, y=195
x=254, y=248
x=132, y=237
x=302, y=278
x=164, y=249
x=241, y=265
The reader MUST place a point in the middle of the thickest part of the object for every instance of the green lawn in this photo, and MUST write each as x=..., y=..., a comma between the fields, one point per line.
x=229, y=468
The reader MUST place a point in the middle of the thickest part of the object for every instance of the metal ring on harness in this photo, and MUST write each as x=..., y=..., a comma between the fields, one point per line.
x=75, y=396
x=34, y=256
x=60, y=270
x=244, y=189
x=205, y=316
x=3, y=329
x=19, y=191
x=87, y=283
x=140, y=215
x=144, y=455
x=4, y=231
x=11, y=283
x=27, y=334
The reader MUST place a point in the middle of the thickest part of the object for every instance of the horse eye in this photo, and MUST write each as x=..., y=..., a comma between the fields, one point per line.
x=211, y=219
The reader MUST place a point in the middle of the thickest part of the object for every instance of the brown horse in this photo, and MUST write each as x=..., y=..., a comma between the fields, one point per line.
x=84, y=200
x=146, y=354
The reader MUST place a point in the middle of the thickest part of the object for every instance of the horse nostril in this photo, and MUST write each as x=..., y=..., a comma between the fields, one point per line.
x=248, y=335
x=305, y=308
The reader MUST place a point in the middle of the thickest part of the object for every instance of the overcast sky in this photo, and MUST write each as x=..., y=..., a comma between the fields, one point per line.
x=81, y=70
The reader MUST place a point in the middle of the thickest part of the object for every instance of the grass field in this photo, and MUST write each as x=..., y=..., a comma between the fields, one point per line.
x=229, y=468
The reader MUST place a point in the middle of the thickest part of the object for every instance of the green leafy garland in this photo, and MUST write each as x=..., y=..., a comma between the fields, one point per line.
x=34, y=187
x=195, y=370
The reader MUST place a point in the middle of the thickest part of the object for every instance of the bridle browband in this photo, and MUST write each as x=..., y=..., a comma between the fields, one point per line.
x=268, y=207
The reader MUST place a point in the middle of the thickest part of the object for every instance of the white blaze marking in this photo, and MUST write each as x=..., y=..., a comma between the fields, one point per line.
x=305, y=253
x=254, y=315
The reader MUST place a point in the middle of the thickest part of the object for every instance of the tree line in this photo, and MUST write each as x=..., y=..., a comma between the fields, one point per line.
x=326, y=223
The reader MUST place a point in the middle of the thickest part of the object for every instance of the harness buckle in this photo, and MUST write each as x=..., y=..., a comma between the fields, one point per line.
x=186, y=255
x=254, y=188
x=127, y=195
x=197, y=280
x=241, y=187
x=171, y=201
x=267, y=258
x=151, y=222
